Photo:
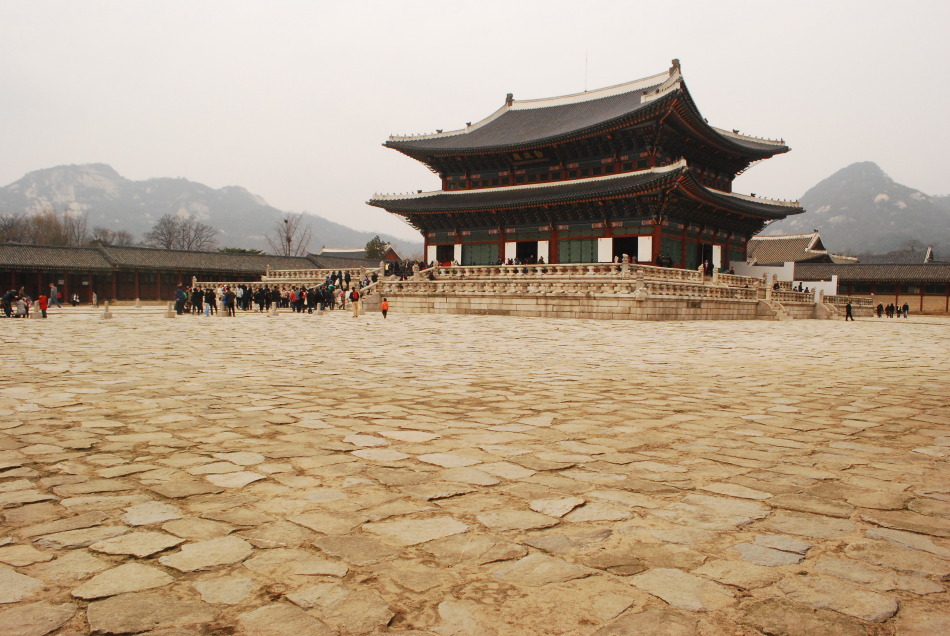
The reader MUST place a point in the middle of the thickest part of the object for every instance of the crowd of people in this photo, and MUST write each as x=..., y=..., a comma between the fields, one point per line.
x=17, y=303
x=892, y=310
x=337, y=290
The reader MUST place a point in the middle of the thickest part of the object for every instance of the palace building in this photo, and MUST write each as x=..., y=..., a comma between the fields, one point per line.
x=632, y=169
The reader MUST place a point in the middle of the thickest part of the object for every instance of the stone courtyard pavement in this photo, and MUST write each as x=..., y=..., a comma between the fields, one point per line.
x=473, y=475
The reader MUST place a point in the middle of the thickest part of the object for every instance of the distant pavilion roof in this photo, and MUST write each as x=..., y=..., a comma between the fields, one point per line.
x=787, y=248
x=530, y=123
x=415, y=206
x=52, y=258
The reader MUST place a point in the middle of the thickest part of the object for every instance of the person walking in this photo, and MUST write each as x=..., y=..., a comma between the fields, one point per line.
x=847, y=312
x=905, y=308
x=54, y=296
x=355, y=302
x=384, y=307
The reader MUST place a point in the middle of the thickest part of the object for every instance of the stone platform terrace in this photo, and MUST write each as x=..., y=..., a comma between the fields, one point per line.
x=440, y=474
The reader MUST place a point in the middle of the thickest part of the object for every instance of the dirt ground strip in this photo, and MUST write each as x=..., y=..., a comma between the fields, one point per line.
x=473, y=475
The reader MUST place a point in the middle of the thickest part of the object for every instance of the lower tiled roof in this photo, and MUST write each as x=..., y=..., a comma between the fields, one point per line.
x=110, y=258
x=859, y=272
x=52, y=258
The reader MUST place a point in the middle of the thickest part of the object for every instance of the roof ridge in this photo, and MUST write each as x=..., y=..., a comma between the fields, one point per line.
x=673, y=77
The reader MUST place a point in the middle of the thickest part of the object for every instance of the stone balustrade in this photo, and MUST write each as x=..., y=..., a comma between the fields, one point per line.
x=855, y=301
x=313, y=275
x=784, y=296
x=566, y=271
x=734, y=280
x=562, y=287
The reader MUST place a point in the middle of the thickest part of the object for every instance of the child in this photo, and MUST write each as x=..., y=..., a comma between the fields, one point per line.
x=44, y=303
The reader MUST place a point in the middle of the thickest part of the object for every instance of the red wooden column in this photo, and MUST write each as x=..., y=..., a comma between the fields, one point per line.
x=115, y=285
x=657, y=243
x=553, y=251
x=501, y=244
x=138, y=293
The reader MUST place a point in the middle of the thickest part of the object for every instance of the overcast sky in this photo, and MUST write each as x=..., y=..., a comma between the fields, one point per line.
x=292, y=100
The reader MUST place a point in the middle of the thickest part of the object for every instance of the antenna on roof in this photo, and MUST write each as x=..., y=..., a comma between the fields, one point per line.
x=585, y=70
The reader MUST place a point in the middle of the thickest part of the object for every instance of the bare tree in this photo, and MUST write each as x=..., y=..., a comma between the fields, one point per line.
x=196, y=236
x=112, y=237
x=75, y=228
x=176, y=233
x=289, y=237
x=12, y=228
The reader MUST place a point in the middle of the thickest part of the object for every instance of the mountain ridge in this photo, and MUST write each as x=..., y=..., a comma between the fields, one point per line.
x=861, y=209
x=110, y=200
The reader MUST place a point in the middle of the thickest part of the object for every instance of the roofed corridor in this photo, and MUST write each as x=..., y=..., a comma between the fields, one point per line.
x=442, y=474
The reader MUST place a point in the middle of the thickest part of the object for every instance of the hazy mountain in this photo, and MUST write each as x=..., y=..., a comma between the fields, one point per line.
x=112, y=201
x=860, y=209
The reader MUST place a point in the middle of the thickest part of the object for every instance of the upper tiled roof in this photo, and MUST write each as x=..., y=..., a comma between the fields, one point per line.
x=52, y=258
x=532, y=122
x=335, y=261
x=858, y=272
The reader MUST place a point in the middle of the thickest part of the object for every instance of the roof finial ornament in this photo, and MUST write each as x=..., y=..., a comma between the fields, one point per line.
x=675, y=67
x=509, y=99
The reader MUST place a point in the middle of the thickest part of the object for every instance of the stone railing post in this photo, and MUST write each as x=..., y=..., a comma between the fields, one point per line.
x=170, y=312
x=106, y=314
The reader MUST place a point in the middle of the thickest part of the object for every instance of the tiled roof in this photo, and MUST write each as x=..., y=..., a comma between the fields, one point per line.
x=579, y=189
x=858, y=272
x=902, y=258
x=790, y=248
x=156, y=258
x=331, y=261
x=532, y=122
x=52, y=258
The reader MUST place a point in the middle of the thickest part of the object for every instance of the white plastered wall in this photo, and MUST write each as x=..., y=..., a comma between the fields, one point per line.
x=644, y=249
x=543, y=248
x=605, y=250
x=430, y=253
x=717, y=256
x=457, y=252
x=511, y=249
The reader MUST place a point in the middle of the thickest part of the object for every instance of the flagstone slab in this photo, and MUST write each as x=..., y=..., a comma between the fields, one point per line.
x=329, y=522
x=468, y=476
x=536, y=570
x=515, y=520
x=474, y=548
x=365, y=441
x=197, y=529
x=556, y=507
x=21, y=555
x=684, y=591
x=380, y=454
x=355, y=549
x=407, y=532
x=909, y=540
x=434, y=490
x=16, y=587
x=824, y=592
x=242, y=458
x=417, y=437
x=282, y=619
x=909, y=521
x=137, y=543
x=235, y=480
x=740, y=574
x=814, y=505
x=447, y=460
x=204, y=555
x=80, y=538
x=784, y=618
x=227, y=590
x=74, y=565
x=35, y=619
x=180, y=489
x=281, y=562
x=150, y=513
x=129, y=577
x=144, y=611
